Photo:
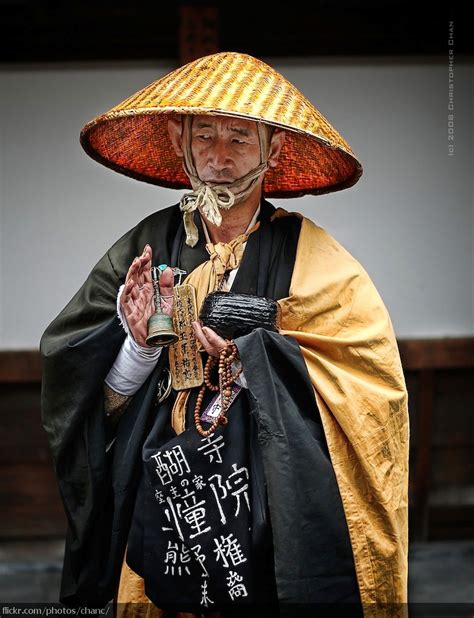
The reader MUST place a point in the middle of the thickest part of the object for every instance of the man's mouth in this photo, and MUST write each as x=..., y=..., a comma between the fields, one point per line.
x=219, y=181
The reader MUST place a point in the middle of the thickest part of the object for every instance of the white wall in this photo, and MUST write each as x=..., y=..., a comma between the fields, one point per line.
x=408, y=220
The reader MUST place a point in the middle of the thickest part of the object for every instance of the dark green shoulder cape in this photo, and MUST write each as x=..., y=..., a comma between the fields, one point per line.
x=78, y=349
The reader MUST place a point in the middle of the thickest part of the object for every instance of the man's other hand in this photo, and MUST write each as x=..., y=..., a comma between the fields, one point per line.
x=210, y=340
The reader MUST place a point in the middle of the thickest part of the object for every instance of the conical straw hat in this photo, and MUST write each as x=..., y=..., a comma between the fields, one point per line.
x=132, y=138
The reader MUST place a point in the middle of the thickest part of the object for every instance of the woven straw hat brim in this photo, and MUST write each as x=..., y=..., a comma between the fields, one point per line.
x=132, y=138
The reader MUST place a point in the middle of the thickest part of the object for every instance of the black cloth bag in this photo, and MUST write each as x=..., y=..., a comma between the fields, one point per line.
x=200, y=534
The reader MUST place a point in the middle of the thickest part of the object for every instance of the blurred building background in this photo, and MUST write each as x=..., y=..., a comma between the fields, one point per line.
x=394, y=79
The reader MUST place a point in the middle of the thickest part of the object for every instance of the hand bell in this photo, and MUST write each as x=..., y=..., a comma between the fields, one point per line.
x=160, y=324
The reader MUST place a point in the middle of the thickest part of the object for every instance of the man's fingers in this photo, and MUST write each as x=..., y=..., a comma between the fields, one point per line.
x=133, y=269
x=138, y=275
x=202, y=337
x=126, y=296
x=210, y=340
x=147, y=273
x=137, y=296
x=166, y=282
x=129, y=285
x=144, y=262
x=132, y=295
x=140, y=263
x=214, y=339
x=145, y=257
x=131, y=278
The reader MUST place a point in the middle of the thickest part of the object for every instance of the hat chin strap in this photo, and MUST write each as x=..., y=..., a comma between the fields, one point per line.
x=211, y=197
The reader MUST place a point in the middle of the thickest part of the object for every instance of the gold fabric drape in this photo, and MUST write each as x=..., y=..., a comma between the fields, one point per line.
x=347, y=340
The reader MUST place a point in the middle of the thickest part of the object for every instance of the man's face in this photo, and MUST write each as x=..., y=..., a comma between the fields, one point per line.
x=224, y=148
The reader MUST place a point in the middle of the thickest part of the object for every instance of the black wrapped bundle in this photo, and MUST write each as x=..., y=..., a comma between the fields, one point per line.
x=232, y=315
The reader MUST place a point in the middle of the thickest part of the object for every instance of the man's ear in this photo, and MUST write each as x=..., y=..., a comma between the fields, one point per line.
x=175, y=131
x=278, y=139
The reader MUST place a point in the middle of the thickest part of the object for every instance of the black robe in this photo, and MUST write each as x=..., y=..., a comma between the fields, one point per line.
x=312, y=554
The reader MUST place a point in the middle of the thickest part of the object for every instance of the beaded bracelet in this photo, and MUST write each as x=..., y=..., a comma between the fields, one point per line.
x=226, y=379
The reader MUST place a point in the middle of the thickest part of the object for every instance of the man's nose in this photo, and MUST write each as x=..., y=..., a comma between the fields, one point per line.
x=218, y=155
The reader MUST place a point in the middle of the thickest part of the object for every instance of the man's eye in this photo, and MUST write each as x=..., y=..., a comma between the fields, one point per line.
x=238, y=141
x=204, y=137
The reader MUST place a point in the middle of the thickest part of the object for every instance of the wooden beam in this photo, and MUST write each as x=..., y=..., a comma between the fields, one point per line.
x=439, y=353
x=20, y=366
x=198, y=32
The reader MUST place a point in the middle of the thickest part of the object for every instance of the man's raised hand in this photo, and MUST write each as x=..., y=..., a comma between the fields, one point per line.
x=137, y=298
